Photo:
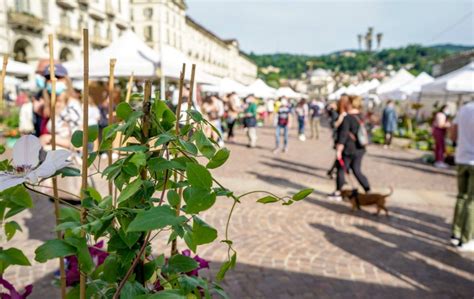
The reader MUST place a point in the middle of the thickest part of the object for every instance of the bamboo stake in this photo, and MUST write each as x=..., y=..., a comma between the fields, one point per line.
x=2, y=79
x=85, y=139
x=53, y=147
x=111, y=113
x=174, y=248
x=191, y=93
x=129, y=89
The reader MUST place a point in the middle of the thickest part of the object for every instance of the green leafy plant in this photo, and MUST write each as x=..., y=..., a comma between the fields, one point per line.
x=164, y=183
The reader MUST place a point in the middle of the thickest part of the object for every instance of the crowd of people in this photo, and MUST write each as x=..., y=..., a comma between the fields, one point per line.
x=351, y=129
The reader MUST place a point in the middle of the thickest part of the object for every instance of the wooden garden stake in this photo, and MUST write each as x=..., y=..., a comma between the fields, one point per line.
x=191, y=89
x=111, y=113
x=129, y=89
x=52, y=104
x=174, y=243
x=2, y=79
x=85, y=139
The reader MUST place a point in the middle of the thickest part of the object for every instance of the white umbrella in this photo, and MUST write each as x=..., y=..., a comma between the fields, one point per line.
x=18, y=68
x=460, y=81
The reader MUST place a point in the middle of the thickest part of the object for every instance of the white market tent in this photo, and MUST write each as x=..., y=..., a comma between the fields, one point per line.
x=410, y=89
x=368, y=86
x=337, y=94
x=226, y=85
x=401, y=78
x=351, y=90
x=460, y=81
x=287, y=92
x=17, y=68
x=261, y=90
x=132, y=54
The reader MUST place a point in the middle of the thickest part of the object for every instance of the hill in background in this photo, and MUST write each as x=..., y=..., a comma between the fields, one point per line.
x=415, y=58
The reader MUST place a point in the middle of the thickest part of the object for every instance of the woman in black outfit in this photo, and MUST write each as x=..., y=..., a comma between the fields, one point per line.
x=348, y=149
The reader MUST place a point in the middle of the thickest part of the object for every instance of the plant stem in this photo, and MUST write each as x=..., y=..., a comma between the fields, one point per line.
x=132, y=267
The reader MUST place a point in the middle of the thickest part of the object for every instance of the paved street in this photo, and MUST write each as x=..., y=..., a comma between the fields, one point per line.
x=316, y=248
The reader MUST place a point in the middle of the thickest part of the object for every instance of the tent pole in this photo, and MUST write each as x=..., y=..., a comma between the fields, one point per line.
x=161, y=45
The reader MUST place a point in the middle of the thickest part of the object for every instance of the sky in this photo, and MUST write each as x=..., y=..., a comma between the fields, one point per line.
x=320, y=27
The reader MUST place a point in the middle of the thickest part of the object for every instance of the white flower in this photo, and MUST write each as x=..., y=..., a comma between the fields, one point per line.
x=26, y=157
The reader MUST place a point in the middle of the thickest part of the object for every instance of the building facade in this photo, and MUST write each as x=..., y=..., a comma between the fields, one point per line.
x=165, y=23
x=26, y=24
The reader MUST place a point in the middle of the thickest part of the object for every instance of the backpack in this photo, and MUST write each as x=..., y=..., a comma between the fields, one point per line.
x=362, y=137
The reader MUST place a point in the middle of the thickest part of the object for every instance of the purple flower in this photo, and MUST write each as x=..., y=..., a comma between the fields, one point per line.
x=72, y=271
x=14, y=294
x=202, y=263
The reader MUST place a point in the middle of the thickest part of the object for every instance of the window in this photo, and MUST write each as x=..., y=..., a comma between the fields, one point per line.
x=45, y=9
x=109, y=32
x=148, y=13
x=148, y=33
x=96, y=29
x=64, y=18
x=22, y=5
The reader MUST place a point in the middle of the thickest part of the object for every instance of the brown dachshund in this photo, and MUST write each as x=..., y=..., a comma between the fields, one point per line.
x=366, y=199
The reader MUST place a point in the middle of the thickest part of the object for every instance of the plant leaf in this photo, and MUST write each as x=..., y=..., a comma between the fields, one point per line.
x=123, y=110
x=302, y=194
x=198, y=176
x=53, y=249
x=198, y=199
x=267, y=199
x=219, y=158
x=181, y=264
x=130, y=190
x=155, y=218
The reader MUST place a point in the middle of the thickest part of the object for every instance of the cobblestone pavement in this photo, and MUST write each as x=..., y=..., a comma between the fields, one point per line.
x=315, y=248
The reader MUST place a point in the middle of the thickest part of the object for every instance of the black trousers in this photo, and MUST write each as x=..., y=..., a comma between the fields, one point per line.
x=230, y=128
x=354, y=163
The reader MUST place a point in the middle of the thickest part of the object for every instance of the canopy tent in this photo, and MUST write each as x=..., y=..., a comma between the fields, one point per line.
x=367, y=87
x=132, y=54
x=261, y=90
x=460, y=81
x=287, y=92
x=401, y=78
x=16, y=68
x=226, y=85
x=412, y=88
x=351, y=89
x=337, y=94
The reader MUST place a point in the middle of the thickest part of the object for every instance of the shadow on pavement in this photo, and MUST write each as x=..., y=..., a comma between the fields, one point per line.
x=416, y=263
x=415, y=164
x=41, y=224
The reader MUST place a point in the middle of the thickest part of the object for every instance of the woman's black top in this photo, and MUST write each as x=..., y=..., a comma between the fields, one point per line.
x=347, y=134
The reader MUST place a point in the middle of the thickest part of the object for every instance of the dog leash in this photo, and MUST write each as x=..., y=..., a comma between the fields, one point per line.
x=351, y=182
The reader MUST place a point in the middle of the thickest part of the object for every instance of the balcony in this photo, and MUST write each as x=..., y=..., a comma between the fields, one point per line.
x=69, y=34
x=68, y=4
x=24, y=20
x=99, y=41
x=83, y=2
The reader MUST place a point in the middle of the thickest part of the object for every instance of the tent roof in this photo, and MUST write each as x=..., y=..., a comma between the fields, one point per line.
x=18, y=68
x=416, y=84
x=401, y=78
x=227, y=85
x=260, y=89
x=132, y=54
x=460, y=81
x=287, y=92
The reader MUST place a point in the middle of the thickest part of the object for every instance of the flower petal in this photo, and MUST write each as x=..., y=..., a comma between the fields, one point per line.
x=26, y=151
x=54, y=161
x=9, y=180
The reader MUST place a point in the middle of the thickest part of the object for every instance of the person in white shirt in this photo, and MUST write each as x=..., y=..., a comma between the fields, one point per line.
x=463, y=221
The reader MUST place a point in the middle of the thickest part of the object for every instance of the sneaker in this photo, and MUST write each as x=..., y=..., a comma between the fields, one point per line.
x=335, y=196
x=441, y=165
x=468, y=247
x=275, y=150
x=285, y=149
x=454, y=241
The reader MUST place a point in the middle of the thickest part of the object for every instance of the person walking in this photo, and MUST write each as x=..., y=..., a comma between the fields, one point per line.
x=337, y=112
x=463, y=220
x=301, y=113
x=389, y=122
x=440, y=126
x=232, y=106
x=250, y=120
x=282, y=126
x=315, y=109
x=350, y=149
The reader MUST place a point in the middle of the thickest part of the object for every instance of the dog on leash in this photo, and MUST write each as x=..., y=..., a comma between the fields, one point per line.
x=366, y=199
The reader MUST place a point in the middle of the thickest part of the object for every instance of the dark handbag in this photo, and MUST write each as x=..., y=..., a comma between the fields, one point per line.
x=250, y=121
